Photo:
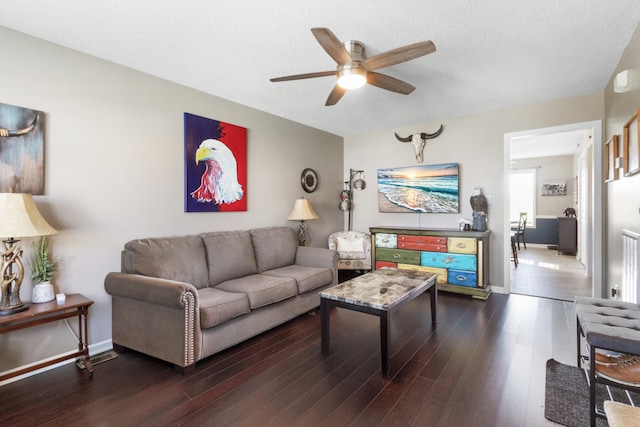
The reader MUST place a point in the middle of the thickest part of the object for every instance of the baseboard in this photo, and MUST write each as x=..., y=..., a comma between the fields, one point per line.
x=93, y=349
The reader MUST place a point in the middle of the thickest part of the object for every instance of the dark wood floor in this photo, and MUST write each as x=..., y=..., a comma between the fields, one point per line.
x=482, y=365
x=546, y=273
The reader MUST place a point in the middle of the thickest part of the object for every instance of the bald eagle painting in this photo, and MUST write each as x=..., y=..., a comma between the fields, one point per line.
x=215, y=165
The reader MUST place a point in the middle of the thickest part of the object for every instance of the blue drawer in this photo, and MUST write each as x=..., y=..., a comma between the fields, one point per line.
x=449, y=260
x=463, y=278
x=386, y=240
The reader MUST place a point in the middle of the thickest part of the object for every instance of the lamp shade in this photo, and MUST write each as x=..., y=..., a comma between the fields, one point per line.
x=19, y=217
x=302, y=211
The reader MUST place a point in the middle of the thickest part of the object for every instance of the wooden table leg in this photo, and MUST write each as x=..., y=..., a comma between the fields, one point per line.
x=83, y=338
x=433, y=293
x=324, y=325
x=384, y=340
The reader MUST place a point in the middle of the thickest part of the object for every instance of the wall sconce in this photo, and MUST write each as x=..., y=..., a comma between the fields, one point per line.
x=302, y=211
x=626, y=81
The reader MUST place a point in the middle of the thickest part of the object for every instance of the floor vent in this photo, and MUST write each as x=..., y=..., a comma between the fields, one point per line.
x=98, y=358
x=630, y=266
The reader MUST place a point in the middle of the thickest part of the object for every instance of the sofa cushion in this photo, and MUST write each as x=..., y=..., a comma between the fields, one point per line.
x=274, y=247
x=229, y=255
x=173, y=258
x=217, y=306
x=262, y=289
x=307, y=278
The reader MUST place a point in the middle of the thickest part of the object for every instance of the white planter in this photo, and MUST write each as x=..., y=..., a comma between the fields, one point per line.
x=43, y=292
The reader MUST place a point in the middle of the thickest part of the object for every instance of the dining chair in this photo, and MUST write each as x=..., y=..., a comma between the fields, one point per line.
x=520, y=231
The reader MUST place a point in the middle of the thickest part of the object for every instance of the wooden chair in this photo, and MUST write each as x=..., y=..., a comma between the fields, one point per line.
x=514, y=252
x=519, y=232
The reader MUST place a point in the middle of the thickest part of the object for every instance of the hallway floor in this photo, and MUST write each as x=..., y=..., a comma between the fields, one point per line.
x=544, y=273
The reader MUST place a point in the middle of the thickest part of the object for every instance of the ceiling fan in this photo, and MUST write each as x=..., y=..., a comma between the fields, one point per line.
x=354, y=69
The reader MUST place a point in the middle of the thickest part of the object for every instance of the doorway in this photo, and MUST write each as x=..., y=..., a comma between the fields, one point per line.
x=585, y=185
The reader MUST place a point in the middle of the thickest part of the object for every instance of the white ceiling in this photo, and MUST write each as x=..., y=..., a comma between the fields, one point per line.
x=491, y=55
x=554, y=144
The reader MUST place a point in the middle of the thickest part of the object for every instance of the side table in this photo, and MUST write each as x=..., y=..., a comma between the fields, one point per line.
x=38, y=314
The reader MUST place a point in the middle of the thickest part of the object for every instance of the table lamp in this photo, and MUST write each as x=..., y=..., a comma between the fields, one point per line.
x=302, y=211
x=19, y=217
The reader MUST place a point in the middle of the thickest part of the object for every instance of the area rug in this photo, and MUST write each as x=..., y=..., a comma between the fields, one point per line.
x=566, y=396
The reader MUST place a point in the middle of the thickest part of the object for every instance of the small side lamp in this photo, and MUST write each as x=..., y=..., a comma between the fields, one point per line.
x=19, y=217
x=302, y=211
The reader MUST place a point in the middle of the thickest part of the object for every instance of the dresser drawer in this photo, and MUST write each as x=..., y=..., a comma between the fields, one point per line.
x=384, y=240
x=441, y=272
x=462, y=245
x=382, y=264
x=463, y=278
x=422, y=239
x=449, y=260
x=419, y=246
x=398, y=255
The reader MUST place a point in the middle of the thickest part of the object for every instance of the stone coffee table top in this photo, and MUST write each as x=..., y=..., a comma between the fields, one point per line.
x=380, y=289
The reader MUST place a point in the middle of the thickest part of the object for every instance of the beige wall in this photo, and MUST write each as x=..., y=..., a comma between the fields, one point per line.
x=477, y=144
x=623, y=195
x=551, y=168
x=114, y=171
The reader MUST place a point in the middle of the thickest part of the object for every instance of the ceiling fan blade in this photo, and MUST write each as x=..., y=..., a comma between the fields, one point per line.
x=335, y=95
x=304, y=76
x=389, y=83
x=399, y=55
x=332, y=45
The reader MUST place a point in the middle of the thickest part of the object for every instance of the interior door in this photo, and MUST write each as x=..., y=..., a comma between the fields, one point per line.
x=584, y=212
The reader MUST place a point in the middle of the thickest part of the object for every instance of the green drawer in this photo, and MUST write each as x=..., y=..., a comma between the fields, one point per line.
x=398, y=255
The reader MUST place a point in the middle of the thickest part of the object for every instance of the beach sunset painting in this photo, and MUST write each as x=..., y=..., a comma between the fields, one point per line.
x=419, y=189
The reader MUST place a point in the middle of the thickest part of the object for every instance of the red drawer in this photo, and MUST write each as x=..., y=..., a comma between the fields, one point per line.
x=380, y=264
x=419, y=246
x=422, y=239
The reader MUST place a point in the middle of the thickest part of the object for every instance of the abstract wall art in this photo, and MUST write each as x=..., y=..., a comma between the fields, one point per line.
x=21, y=150
x=215, y=155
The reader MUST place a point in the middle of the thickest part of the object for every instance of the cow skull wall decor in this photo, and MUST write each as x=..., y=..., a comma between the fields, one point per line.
x=419, y=140
x=19, y=132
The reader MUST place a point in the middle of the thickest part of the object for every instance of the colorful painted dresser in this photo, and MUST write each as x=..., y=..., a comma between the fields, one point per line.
x=460, y=258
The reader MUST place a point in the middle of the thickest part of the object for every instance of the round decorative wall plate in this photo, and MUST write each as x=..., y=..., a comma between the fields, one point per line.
x=309, y=180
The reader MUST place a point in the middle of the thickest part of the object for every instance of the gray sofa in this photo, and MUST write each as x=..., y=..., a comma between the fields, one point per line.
x=182, y=299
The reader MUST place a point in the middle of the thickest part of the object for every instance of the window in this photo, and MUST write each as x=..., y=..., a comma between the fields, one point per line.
x=523, y=195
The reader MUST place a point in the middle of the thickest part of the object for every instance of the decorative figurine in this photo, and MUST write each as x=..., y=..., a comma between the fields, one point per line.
x=480, y=208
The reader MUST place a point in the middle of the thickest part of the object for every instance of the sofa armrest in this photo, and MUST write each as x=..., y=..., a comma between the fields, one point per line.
x=169, y=293
x=155, y=316
x=317, y=257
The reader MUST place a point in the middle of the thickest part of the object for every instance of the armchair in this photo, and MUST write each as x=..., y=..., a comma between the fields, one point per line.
x=354, y=249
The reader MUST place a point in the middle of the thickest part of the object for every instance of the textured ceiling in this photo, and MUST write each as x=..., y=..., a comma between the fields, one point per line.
x=490, y=55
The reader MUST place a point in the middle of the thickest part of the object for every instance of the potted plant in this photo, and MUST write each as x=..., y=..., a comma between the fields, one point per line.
x=42, y=268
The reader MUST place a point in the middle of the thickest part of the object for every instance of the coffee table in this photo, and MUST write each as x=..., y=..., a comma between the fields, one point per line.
x=381, y=293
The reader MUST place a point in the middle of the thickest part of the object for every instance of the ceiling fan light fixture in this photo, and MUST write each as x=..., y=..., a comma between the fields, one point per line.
x=351, y=76
x=354, y=69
